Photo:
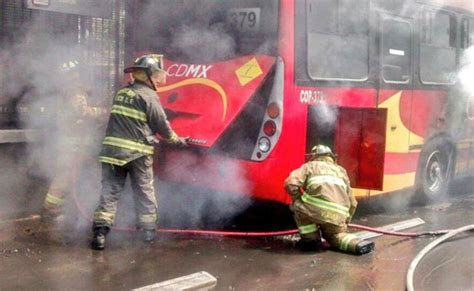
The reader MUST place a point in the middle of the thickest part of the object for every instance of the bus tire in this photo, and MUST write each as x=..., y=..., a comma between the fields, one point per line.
x=435, y=171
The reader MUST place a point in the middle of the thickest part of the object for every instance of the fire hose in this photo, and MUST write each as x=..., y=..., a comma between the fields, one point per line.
x=257, y=233
x=445, y=235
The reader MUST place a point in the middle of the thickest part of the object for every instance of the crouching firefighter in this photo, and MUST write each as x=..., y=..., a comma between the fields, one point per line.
x=136, y=116
x=323, y=203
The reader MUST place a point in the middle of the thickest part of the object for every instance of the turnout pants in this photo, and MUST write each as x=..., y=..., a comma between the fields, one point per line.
x=63, y=182
x=113, y=181
x=311, y=228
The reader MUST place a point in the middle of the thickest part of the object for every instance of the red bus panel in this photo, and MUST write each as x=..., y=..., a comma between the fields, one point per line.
x=203, y=100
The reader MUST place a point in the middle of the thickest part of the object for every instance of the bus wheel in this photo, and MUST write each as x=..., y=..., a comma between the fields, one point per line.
x=435, y=171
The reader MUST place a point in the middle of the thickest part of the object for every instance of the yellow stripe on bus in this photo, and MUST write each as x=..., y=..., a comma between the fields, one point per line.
x=396, y=182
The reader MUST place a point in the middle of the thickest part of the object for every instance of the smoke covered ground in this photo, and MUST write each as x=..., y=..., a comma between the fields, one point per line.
x=31, y=260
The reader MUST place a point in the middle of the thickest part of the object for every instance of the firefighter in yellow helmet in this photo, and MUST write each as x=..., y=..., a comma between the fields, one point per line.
x=323, y=203
x=75, y=120
x=136, y=117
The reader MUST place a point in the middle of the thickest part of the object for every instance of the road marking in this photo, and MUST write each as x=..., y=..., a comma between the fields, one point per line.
x=197, y=281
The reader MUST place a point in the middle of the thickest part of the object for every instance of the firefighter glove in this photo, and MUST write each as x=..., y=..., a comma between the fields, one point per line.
x=182, y=141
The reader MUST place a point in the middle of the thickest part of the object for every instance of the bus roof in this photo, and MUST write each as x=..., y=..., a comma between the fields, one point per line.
x=461, y=4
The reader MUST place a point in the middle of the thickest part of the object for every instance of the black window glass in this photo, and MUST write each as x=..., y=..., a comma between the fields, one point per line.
x=337, y=39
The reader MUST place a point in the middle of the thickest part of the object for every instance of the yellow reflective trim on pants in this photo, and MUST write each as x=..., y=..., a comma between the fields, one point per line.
x=51, y=199
x=345, y=241
x=147, y=218
x=327, y=179
x=128, y=144
x=323, y=204
x=112, y=161
x=305, y=229
x=129, y=112
x=100, y=215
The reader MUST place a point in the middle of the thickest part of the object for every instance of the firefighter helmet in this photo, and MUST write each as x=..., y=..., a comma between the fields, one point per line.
x=148, y=63
x=71, y=70
x=70, y=66
x=322, y=150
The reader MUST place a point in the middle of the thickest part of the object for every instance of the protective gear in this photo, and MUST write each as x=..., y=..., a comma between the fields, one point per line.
x=52, y=227
x=364, y=247
x=136, y=115
x=322, y=150
x=148, y=63
x=71, y=70
x=182, y=141
x=75, y=119
x=98, y=240
x=113, y=181
x=149, y=235
x=70, y=66
x=308, y=245
x=323, y=201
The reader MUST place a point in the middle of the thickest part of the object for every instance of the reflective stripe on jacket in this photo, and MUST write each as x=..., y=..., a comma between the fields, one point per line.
x=326, y=196
x=136, y=115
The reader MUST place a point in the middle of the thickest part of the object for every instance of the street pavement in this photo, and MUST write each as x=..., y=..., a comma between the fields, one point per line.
x=32, y=257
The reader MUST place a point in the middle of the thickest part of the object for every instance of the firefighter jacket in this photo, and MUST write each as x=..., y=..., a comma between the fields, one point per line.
x=135, y=117
x=322, y=190
x=76, y=118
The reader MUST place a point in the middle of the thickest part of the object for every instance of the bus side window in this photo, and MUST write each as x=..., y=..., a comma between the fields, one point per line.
x=337, y=39
x=396, y=51
x=467, y=32
x=438, y=47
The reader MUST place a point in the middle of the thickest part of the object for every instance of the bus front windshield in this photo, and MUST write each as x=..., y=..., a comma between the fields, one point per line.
x=202, y=31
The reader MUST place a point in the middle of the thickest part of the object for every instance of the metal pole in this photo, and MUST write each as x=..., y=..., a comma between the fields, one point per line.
x=117, y=44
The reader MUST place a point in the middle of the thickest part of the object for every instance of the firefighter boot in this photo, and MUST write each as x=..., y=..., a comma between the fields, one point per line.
x=98, y=241
x=309, y=245
x=149, y=235
x=364, y=247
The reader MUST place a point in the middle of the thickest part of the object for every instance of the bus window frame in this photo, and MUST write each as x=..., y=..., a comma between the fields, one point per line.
x=462, y=36
x=421, y=44
x=410, y=65
x=306, y=54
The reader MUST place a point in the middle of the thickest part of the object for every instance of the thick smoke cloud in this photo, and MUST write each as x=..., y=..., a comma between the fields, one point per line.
x=34, y=82
x=194, y=32
x=30, y=64
x=466, y=73
x=195, y=206
x=190, y=41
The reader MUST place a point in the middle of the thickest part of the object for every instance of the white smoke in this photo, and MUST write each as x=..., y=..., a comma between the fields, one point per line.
x=466, y=73
x=193, y=43
x=189, y=204
x=32, y=80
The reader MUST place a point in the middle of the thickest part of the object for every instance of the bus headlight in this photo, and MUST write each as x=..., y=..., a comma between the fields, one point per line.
x=264, y=144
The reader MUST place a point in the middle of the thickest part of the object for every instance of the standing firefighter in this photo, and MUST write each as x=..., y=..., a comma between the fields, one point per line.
x=323, y=202
x=136, y=116
x=75, y=138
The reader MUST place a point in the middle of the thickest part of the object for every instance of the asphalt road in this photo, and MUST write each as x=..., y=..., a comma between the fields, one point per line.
x=32, y=257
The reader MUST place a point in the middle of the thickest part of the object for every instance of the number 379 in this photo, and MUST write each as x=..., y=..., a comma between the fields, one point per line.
x=243, y=20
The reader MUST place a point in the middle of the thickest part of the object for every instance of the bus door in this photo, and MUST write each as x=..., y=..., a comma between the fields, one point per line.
x=395, y=95
x=395, y=87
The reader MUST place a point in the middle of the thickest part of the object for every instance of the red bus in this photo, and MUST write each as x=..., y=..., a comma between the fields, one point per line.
x=256, y=84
